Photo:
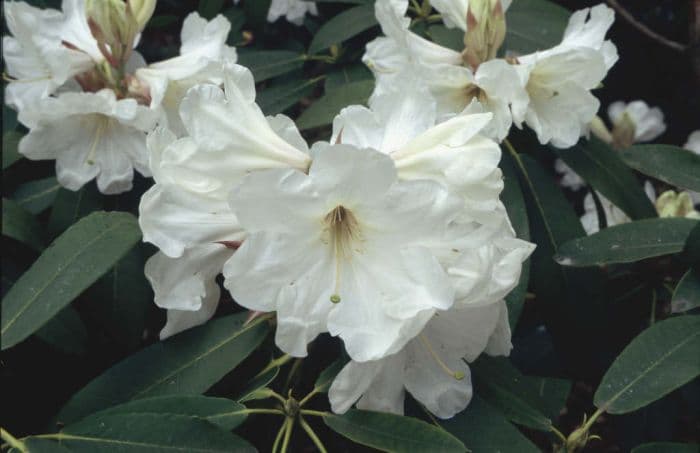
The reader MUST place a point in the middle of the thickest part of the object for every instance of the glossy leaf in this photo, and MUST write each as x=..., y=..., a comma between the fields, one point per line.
x=628, y=242
x=482, y=428
x=391, y=432
x=70, y=265
x=347, y=74
x=452, y=38
x=671, y=164
x=251, y=390
x=342, y=27
x=20, y=225
x=687, y=294
x=10, y=142
x=66, y=332
x=69, y=207
x=322, y=112
x=279, y=97
x=602, y=167
x=325, y=379
x=36, y=196
x=656, y=362
x=265, y=64
x=222, y=412
x=534, y=25
x=187, y=364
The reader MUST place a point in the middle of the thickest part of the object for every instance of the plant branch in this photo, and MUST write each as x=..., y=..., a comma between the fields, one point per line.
x=646, y=30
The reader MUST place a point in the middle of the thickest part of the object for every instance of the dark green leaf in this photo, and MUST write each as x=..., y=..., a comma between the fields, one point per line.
x=187, y=364
x=671, y=164
x=265, y=64
x=162, y=21
x=658, y=361
x=36, y=196
x=20, y=225
x=209, y=8
x=691, y=249
x=36, y=445
x=10, y=141
x=483, y=429
x=250, y=392
x=9, y=119
x=452, y=38
x=65, y=331
x=347, y=74
x=322, y=112
x=390, y=432
x=149, y=433
x=69, y=207
x=666, y=447
x=325, y=379
x=602, y=168
x=343, y=26
x=628, y=242
x=279, y=97
x=73, y=262
x=687, y=294
x=256, y=12
x=222, y=412
x=534, y=25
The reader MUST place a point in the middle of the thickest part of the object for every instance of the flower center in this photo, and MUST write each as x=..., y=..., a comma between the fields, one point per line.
x=343, y=232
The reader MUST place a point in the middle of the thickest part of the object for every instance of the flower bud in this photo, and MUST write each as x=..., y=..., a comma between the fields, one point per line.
x=142, y=10
x=672, y=204
x=623, y=132
x=114, y=27
x=600, y=130
x=486, y=31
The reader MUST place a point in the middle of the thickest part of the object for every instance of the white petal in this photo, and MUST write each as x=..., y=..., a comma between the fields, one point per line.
x=499, y=342
x=386, y=394
x=352, y=381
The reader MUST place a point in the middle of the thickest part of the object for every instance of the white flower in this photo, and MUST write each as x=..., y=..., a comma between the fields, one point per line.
x=90, y=135
x=344, y=249
x=431, y=367
x=693, y=142
x=35, y=57
x=613, y=214
x=292, y=10
x=559, y=80
x=202, y=53
x=570, y=179
x=186, y=212
x=403, y=54
x=454, y=12
x=648, y=123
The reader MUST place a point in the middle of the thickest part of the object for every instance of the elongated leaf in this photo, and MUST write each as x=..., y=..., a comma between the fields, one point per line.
x=390, y=432
x=149, y=433
x=187, y=364
x=347, y=74
x=36, y=196
x=659, y=360
x=452, y=38
x=671, y=164
x=483, y=429
x=20, y=225
x=687, y=294
x=322, y=112
x=325, y=379
x=71, y=264
x=265, y=64
x=534, y=25
x=528, y=401
x=222, y=412
x=69, y=207
x=37, y=445
x=10, y=142
x=343, y=26
x=691, y=249
x=602, y=167
x=209, y=8
x=65, y=332
x=666, y=447
x=278, y=98
x=628, y=242
x=251, y=391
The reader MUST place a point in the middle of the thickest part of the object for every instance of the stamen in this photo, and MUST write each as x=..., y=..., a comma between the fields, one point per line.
x=343, y=230
x=101, y=126
x=455, y=374
x=10, y=79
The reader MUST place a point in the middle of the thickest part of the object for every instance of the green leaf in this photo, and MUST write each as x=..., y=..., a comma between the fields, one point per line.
x=20, y=225
x=391, y=432
x=36, y=445
x=66, y=332
x=186, y=364
x=534, y=25
x=666, y=447
x=265, y=64
x=483, y=429
x=36, y=196
x=222, y=412
x=9, y=119
x=149, y=433
x=69, y=207
x=337, y=79
x=72, y=263
x=602, y=167
x=256, y=12
x=344, y=26
x=10, y=142
x=687, y=294
x=322, y=112
x=671, y=164
x=279, y=97
x=527, y=400
x=325, y=379
x=658, y=361
x=452, y=38
x=628, y=242
x=514, y=201
x=236, y=16
x=691, y=249
x=209, y=8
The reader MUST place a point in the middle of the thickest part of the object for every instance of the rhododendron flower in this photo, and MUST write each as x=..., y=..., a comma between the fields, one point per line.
x=635, y=122
x=292, y=10
x=186, y=213
x=613, y=214
x=432, y=367
x=693, y=142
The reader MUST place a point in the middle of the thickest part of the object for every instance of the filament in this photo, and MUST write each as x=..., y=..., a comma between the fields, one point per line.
x=455, y=374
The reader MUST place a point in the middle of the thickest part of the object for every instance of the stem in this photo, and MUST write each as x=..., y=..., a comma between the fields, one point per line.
x=263, y=411
x=558, y=433
x=312, y=435
x=13, y=441
x=652, y=317
x=646, y=30
x=315, y=413
x=280, y=433
x=287, y=435
x=593, y=418
x=308, y=397
x=295, y=367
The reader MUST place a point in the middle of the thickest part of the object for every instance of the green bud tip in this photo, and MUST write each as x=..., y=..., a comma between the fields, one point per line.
x=335, y=298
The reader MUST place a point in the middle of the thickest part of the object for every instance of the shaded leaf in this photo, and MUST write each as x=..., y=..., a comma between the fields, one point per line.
x=322, y=112
x=279, y=97
x=687, y=294
x=69, y=207
x=265, y=64
x=347, y=74
x=36, y=196
x=666, y=447
x=10, y=142
x=209, y=8
x=250, y=392
x=534, y=25
x=20, y=225
x=66, y=332
x=343, y=26
x=452, y=38
x=325, y=379
x=671, y=164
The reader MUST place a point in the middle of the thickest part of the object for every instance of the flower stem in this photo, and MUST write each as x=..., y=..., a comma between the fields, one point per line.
x=287, y=435
x=312, y=435
x=12, y=441
x=280, y=433
x=315, y=413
